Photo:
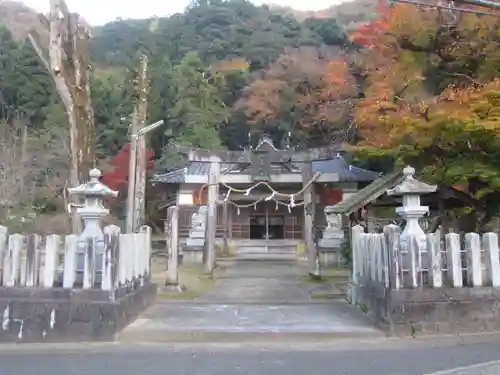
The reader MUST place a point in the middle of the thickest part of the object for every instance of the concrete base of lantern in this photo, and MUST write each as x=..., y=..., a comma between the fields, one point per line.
x=192, y=255
x=329, y=257
x=173, y=289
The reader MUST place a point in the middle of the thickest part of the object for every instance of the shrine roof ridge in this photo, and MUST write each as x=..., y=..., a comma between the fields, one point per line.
x=297, y=154
x=336, y=164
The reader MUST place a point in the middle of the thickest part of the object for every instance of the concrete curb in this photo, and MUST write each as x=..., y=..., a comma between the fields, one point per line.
x=309, y=344
x=317, y=301
x=158, y=336
x=135, y=334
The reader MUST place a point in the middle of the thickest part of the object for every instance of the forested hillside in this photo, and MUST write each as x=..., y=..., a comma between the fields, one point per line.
x=412, y=85
x=213, y=51
x=204, y=67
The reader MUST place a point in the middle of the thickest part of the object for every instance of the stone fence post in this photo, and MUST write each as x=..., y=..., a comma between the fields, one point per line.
x=172, y=241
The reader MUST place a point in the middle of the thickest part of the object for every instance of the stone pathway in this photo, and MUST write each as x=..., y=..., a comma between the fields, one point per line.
x=251, y=299
x=259, y=282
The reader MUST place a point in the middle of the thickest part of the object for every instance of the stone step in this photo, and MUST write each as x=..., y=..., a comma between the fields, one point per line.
x=264, y=250
x=263, y=243
x=265, y=256
x=271, y=253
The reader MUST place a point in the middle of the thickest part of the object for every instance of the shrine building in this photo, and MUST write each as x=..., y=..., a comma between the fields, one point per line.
x=252, y=212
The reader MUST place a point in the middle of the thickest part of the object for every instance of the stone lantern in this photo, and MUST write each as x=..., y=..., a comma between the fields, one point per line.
x=92, y=212
x=413, y=239
x=411, y=211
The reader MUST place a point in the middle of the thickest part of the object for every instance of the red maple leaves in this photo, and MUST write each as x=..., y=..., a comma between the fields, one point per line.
x=368, y=34
x=117, y=177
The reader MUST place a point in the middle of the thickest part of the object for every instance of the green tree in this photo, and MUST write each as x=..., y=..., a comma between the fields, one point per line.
x=34, y=87
x=112, y=109
x=330, y=32
x=199, y=110
x=217, y=30
x=8, y=90
x=25, y=87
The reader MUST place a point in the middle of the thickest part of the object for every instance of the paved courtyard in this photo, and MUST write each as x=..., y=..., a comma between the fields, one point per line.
x=251, y=299
x=259, y=282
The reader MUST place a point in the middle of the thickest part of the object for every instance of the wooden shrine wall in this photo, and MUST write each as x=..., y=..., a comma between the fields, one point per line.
x=240, y=224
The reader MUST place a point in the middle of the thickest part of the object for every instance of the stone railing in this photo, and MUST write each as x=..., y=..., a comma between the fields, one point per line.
x=114, y=261
x=411, y=282
x=381, y=261
x=76, y=287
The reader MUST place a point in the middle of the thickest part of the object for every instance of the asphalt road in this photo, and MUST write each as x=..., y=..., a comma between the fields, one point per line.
x=385, y=358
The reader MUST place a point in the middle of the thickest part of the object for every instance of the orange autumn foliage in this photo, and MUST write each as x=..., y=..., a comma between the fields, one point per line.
x=432, y=96
x=230, y=65
x=311, y=92
x=338, y=79
x=368, y=34
x=395, y=77
x=456, y=116
x=262, y=100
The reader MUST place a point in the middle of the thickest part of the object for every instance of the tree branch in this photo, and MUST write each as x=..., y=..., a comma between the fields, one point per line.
x=32, y=37
x=469, y=78
x=44, y=21
x=433, y=47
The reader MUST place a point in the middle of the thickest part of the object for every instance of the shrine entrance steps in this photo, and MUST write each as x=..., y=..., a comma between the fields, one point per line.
x=270, y=250
x=253, y=301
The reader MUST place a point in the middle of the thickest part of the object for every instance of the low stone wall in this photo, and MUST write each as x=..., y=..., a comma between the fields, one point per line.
x=374, y=300
x=413, y=312
x=445, y=310
x=69, y=315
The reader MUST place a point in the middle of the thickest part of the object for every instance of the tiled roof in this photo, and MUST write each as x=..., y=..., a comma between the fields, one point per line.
x=197, y=168
x=177, y=175
x=346, y=172
x=367, y=194
x=337, y=164
x=173, y=177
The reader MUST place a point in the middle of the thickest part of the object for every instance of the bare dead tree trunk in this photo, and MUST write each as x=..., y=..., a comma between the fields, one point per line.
x=65, y=55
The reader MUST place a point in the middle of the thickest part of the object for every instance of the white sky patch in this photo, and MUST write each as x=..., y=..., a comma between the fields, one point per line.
x=99, y=12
